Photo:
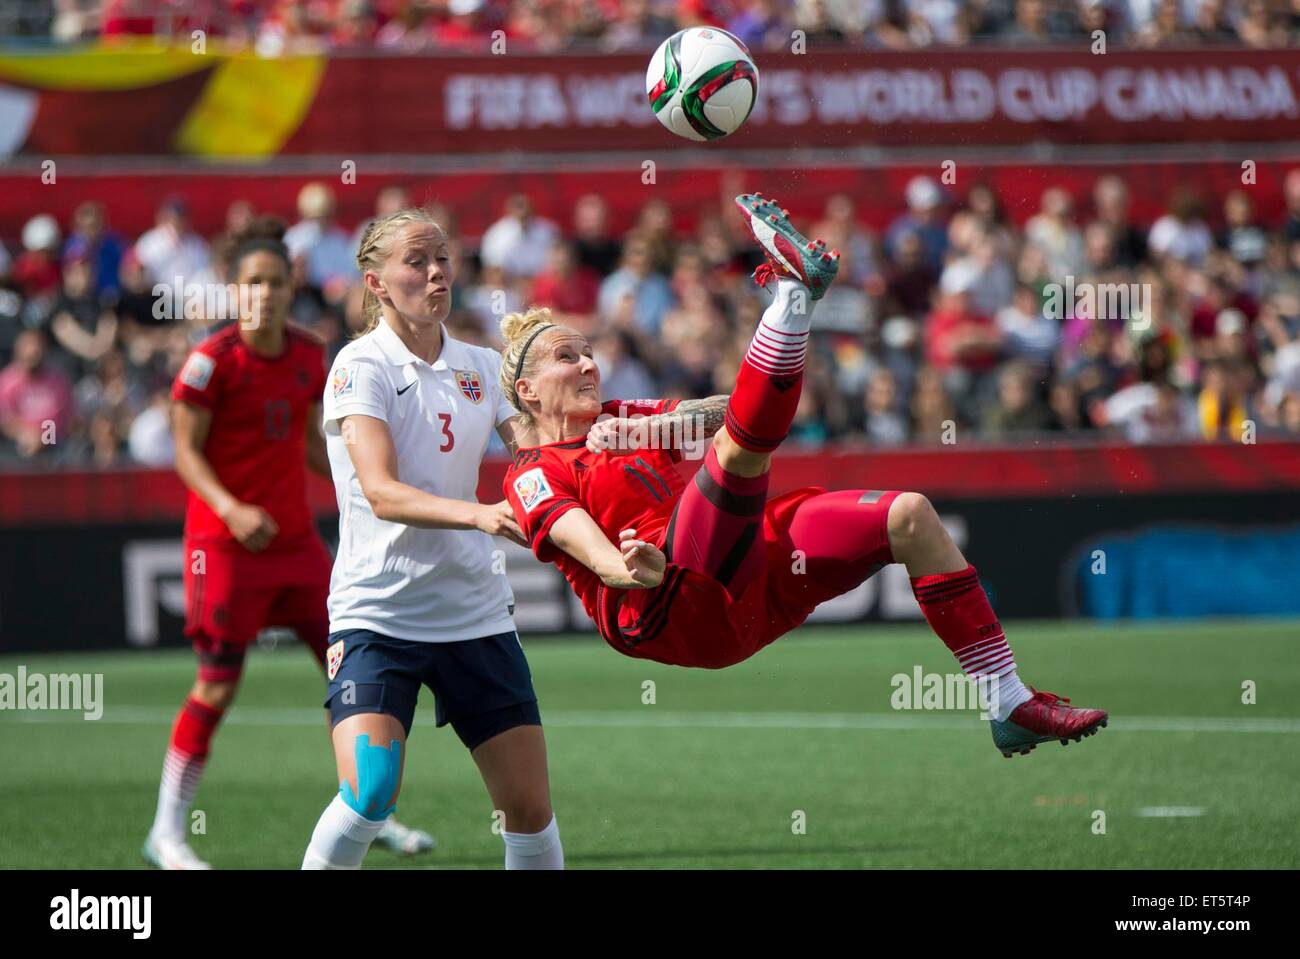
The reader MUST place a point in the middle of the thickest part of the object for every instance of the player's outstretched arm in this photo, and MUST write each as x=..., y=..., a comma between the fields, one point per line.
x=370, y=446
x=633, y=564
x=691, y=422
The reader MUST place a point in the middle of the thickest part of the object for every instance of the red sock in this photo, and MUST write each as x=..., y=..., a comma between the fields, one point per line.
x=763, y=404
x=193, y=729
x=958, y=611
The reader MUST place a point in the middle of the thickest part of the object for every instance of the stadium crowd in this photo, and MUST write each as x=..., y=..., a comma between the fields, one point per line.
x=953, y=323
x=271, y=26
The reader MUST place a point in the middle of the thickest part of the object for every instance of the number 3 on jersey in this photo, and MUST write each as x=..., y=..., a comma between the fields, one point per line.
x=446, y=431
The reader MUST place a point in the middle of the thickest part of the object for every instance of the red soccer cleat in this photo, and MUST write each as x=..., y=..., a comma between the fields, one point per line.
x=1042, y=719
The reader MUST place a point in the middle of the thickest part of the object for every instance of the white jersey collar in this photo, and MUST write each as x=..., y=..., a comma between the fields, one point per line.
x=391, y=345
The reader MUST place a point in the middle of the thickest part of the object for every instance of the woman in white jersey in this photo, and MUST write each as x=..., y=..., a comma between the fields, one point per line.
x=415, y=597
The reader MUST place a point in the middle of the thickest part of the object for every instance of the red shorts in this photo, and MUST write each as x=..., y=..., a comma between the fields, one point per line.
x=816, y=546
x=231, y=594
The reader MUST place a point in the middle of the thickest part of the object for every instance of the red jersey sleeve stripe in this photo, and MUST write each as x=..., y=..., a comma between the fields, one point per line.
x=548, y=518
x=192, y=396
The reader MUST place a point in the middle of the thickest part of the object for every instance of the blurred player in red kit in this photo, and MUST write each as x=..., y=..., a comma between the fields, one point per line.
x=246, y=417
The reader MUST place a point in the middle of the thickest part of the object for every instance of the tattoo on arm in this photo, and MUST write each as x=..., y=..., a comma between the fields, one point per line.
x=706, y=415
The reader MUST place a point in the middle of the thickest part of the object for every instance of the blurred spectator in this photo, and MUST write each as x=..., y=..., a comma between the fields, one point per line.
x=884, y=424
x=636, y=288
x=933, y=417
x=1260, y=26
x=622, y=375
x=1017, y=407
x=566, y=285
x=1212, y=24
x=520, y=242
x=464, y=28
x=91, y=238
x=840, y=230
x=389, y=200
x=963, y=346
x=910, y=279
x=591, y=239
x=36, y=402
x=1028, y=334
x=1181, y=234
x=325, y=248
x=761, y=24
x=1152, y=412
x=1036, y=23
x=1291, y=195
x=36, y=271
x=1110, y=199
x=1221, y=405
x=172, y=252
x=924, y=217
x=1054, y=232
x=80, y=320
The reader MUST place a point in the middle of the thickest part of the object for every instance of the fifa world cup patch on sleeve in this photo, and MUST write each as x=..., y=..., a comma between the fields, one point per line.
x=532, y=488
x=345, y=381
x=198, y=371
x=334, y=658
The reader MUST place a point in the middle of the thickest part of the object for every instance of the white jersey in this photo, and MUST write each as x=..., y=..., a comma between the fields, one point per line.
x=426, y=585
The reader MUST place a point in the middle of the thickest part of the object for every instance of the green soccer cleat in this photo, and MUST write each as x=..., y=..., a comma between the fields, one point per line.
x=1041, y=719
x=789, y=253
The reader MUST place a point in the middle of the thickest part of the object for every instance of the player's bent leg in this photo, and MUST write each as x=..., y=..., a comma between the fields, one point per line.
x=766, y=396
x=955, y=605
x=196, y=723
x=313, y=632
x=716, y=526
x=513, y=766
x=369, y=749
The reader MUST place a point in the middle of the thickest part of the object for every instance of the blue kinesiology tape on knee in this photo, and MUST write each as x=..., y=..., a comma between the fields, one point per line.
x=378, y=769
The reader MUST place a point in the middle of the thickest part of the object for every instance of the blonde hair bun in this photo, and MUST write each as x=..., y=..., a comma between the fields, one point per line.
x=518, y=326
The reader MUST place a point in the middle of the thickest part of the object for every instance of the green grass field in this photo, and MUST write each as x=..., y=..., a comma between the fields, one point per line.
x=712, y=774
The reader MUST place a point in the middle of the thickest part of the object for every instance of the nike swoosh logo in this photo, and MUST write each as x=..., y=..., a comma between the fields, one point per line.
x=405, y=388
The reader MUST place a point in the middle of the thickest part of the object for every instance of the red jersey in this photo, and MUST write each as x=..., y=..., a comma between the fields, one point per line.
x=636, y=490
x=258, y=441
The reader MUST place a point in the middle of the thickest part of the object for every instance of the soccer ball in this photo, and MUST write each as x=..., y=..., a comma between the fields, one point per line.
x=702, y=83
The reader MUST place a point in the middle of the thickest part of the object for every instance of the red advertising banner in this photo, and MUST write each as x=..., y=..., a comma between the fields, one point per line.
x=1056, y=469
x=153, y=101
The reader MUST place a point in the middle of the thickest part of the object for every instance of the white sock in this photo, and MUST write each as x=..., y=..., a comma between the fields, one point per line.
x=781, y=341
x=993, y=657
x=538, y=850
x=1011, y=693
x=341, y=838
x=791, y=308
x=180, y=781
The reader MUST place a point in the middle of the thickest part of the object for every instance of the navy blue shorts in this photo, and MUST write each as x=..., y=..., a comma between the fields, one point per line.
x=481, y=686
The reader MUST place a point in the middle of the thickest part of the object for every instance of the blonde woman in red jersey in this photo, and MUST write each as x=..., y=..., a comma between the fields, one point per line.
x=709, y=573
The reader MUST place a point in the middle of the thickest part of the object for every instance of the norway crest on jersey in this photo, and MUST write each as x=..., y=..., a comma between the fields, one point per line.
x=470, y=385
x=334, y=658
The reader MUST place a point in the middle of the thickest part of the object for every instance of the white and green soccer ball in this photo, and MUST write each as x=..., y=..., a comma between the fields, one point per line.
x=702, y=83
